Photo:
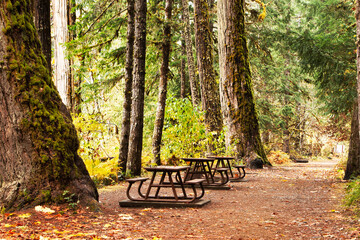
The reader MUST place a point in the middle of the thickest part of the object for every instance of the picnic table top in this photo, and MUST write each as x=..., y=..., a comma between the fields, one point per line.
x=166, y=168
x=197, y=159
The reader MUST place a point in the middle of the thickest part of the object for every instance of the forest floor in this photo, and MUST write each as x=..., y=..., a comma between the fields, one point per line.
x=297, y=201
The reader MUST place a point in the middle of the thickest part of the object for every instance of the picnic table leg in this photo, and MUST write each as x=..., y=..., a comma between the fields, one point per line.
x=229, y=166
x=128, y=191
x=161, y=182
x=172, y=186
x=151, y=183
x=210, y=173
x=178, y=177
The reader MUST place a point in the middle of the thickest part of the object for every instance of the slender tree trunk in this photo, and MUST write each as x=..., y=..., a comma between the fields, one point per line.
x=43, y=26
x=61, y=66
x=183, y=71
x=160, y=111
x=189, y=53
x=38, y=142
x=137, y=113
x=353, y=163
x=237, y=100
x=73, y=90
x=125, y=126
x=210, y=100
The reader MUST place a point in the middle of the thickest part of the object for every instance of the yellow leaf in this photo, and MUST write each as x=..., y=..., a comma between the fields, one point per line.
x=8, y=225
x=25, y=215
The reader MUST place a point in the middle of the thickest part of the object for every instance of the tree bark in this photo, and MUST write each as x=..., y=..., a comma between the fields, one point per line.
x=61, y=66
x=74, y=88
x=182, y=71
x=38, y=142
x=236, y=95
x=138, y=88
x=164, y=71
x=43, y=26
x=125, y=126
x=189, y=54
x=210, y=100
x=353, y=162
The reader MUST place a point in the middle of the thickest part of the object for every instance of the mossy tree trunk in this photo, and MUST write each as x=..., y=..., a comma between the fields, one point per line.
x=125, y=126
x=210, y=100
x=138, y=90
x=43, y=26
x=353, y=162
x=38, y=142
x=237, y=100
x=194, y=87
x=164, y=72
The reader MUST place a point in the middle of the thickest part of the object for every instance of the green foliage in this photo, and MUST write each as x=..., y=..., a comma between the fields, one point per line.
x=71, y=200
x=352, y=197
x=98, y=148
x=184, y=135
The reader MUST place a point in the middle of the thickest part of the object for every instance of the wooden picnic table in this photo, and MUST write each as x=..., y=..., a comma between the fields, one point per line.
x=204, y=167
x=170, y=177
x=225, y=162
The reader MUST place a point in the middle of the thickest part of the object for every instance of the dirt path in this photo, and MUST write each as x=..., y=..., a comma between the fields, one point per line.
x=294, y=202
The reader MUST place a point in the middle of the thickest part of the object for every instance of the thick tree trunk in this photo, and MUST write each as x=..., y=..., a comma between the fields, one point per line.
x=125, y=126
x=38, y=142
x=43, y=26
x=61, y=66
x=160, y=111
x=353, y=163
x=189, y=54
x=237, y=100
x=137, y=113
x=210, y=100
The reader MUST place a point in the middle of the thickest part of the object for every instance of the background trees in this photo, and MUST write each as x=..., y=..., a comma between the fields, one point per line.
x=296, y=72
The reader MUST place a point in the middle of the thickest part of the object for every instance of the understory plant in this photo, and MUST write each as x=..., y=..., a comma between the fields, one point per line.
x=352, y=198
x=98, y=148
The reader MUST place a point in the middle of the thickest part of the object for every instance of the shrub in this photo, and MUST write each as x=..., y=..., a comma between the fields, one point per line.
x=98, y=148
x=278, y=157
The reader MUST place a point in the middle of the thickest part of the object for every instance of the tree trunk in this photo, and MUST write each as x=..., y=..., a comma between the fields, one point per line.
x=61, y=66
x=74, y=88
x=160, y=111
x=125, y=126
x=210, y=100
x=138, y=88
x=237, y=100
x=189, y=54
x=38, y=153
x=43, y=27
x=183, y=71
x=353, y=163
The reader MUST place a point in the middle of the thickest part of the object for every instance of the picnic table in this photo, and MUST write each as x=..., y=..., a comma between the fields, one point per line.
x=225, y=162
x=170, y=178
x=204, y=167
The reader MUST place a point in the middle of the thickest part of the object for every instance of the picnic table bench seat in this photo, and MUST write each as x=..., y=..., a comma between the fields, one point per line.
x=131, y=181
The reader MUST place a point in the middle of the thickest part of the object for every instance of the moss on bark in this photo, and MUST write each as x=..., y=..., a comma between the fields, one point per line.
x=46, y=121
